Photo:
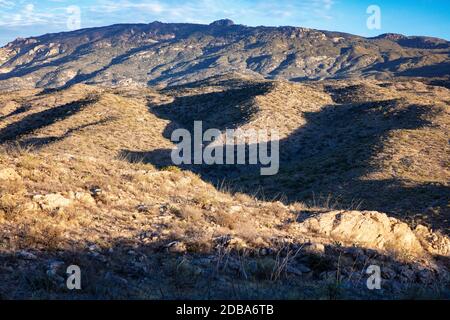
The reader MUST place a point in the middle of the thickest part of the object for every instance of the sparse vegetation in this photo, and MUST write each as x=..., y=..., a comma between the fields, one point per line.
x=97, y=188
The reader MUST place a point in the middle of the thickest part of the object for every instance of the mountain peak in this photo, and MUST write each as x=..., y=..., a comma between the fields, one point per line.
x=177, y=53
x=222, y=23
x=391, y=36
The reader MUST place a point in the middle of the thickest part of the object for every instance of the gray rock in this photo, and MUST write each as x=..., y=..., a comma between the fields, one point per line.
x=406, y=274
x=298, y=269
x=388, y=273
x=55, y=265
x=26, y=255
x=142, y=208
x=176, y=247
x=93, y=248
x=315, y=248
x=426, y=276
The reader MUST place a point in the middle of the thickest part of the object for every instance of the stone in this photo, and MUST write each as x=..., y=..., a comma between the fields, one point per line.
x=96, y=191
x=406, y=274
x=388, y=273
x=26, y=255
x=55, y=277
x=84, y=197
x=9, y=174
x=111, y=277
x=235, y=209
x=52, y=201
x=426, y=276
x=434, y=243
x=314, y=248
x=355, y=252
x=222, y=23
x=373, y=230
x=93, y=248
x=142, y=208
x=298, y=269
x=54, y=266
x=176, y=247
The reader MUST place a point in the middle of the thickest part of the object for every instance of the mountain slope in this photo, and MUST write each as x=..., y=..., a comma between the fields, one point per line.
x=161, y=54
x=84, y=179
x=339, y=139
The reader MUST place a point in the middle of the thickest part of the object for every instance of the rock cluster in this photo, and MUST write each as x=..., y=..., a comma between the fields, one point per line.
x=372, y=230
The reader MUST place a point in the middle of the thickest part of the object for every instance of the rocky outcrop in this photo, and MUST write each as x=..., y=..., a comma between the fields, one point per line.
x=433, y=242
x=52, y=201
x=374, y=230
x=8, y=174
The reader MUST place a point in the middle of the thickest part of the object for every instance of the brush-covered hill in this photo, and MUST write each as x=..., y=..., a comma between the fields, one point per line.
x=167, y=54
x=86, y=179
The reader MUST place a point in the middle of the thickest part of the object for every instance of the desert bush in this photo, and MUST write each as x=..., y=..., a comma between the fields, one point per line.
x=171, y=169
x=190, y=213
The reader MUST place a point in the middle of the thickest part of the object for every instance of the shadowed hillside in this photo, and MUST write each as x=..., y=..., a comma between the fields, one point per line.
x=86, y=178
x=341, y=154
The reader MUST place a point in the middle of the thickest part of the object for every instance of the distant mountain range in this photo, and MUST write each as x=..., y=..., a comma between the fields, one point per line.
x=170, y=54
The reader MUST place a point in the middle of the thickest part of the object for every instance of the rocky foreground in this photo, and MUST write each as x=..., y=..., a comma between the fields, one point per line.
x=143, y=221
x=84, y=180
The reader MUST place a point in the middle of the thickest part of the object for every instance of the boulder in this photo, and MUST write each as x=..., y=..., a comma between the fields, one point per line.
x=52, y=201
x=26, y=255
x=372, y=230
x=84, y=197
x=9, y=174
x=433, y=242
x=314, y=248
x=176, y=247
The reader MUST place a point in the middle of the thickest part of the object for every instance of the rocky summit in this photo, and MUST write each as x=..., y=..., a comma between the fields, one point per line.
x=170, y=54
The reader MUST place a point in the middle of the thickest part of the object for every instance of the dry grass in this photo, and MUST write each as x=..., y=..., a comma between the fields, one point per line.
x=115, y=200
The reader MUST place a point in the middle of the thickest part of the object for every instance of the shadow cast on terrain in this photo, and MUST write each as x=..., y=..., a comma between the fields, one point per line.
x=40, y=142
x=126, y=270
x=225, y=109
x=18, y=111
x=115, y=61
x=329, y=156
x=30, y=67
x=40, y=120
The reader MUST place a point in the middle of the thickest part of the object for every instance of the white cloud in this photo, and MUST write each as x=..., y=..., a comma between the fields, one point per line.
x=104, y=12
x=6, y=4
x=27, y=15
x=116, y=6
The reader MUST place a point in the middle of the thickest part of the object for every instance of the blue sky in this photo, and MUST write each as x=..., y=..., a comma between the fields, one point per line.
x=23, y=18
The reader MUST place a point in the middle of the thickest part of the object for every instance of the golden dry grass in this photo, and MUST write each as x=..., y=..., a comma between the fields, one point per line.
x=79, y=156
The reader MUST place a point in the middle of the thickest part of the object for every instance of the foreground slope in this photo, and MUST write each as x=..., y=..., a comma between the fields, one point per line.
x=86, y=179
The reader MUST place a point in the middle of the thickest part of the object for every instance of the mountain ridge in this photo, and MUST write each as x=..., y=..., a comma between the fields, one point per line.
x=176, y=53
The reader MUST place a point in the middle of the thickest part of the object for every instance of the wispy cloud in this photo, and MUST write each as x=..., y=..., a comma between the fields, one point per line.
x=6, y=4
x=204, y=11
x=34, y=17
x=23, y=14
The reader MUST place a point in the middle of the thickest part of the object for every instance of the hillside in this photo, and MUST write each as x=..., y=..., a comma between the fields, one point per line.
x=170, y=54
x=86, y=177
